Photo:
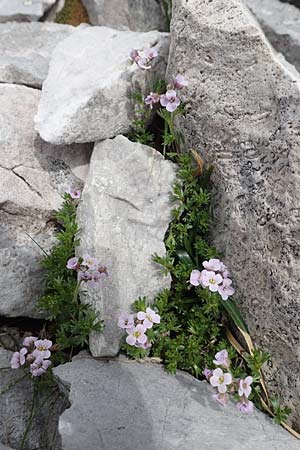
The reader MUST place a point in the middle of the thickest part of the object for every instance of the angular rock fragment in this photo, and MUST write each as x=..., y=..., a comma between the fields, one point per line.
x=135, y=15
x=33, y=176
x=25, y=50
x=145, y=407
x=243, y=116
x=24, y=10
x=124, y=215
x=281, y=24
x=95, y=101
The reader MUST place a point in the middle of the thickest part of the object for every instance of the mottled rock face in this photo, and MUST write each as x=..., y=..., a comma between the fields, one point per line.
x=281, y=25
x=26, y=49
x=94, y=101
x=147, y=408
x=33, y=176
x=124, y=215
x=243, y=116
x=24, y=10
x=135, y=15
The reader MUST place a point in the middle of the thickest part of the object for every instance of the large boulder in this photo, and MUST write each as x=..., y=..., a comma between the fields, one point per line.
x=25, y=50
x=135, y=15
x=24, y=10
x=125, y=404
x=124, y=215
x=281, y=24
x=33, y=176
x=243, y=116
x=95, y=101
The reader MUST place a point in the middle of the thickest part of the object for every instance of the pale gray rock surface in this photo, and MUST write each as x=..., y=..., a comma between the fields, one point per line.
x=26, y=49
x=124, y=215
x=15, y=410
x=281, y=24
x=135, y=15
x=33, y=176
x=123, y=405
x=52, y=12
x=243, y=116
x=94, y=101
x=24, y=10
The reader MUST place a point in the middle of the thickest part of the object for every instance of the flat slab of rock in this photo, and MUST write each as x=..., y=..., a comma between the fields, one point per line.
x=95, y=101
x=129, y=405
x=243, y=114
x=281, y=25
x=26, y=49
x=33, y=176
x=124, y=215
x=24, y=10
x=135, y=15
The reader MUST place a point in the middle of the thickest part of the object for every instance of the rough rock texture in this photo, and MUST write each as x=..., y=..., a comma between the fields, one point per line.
x=94, y=101
x=243, y=115
x=135, y=15
x=33, y=175
x=281, y=24
x=25, y=50
x=124, y=215
x=23, y=10
x=141, y=406
x=51, y=13
x=15, y=407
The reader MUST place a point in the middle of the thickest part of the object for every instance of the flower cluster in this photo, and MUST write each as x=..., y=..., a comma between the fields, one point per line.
x=169, y=100
x=35, y=353
x=222, y=379
x=137, y=325
x=215, y=277
x=144, y=58
x=89, y=270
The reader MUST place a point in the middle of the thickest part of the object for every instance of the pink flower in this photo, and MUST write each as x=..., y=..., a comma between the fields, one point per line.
x=170, y=100
x=74, y=193
x=225, y=290
x=144, y=346
x=39, y=366
x=207, y=373
x=134, y=55
x=136, y=335
x=126, y=321
x=220, y=380
x=151, y=53
x=144, y=58
x=245, y=406
x=213, y=264
x=245, y=387
x=224, y=271
x=149, y=317
x=179, y=82
x=73, y=263
x=18, y=358
x=221, y=359
x=195, y=277
x=211, y=280
x=152, y=99
x=42, y=348
x=28, y=341
x=91, y=263
x=222, y=399
x=94, y=278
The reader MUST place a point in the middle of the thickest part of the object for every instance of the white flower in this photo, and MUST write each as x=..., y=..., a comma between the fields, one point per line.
x=220, y=380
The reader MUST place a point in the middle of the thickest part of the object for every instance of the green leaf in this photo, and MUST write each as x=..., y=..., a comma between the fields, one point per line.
x=234, y=313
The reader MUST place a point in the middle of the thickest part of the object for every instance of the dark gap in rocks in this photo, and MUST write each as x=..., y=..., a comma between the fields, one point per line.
x=292, y=2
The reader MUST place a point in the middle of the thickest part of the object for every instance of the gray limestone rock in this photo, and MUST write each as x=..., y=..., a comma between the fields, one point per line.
x=281, y=24
x=26, y=49
x=24, y=10
x=123, y=405
x=33, y=176
x=124, y=215
x=93, y=99
x=135, y=15
x=243, y=116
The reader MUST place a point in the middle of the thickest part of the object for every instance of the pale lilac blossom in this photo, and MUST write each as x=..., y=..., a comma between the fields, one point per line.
x=39, y=366
x=213, y=264
x=224, y=271
x=90, y=262
x=126, y=321
x=225, y=290
x=245, y=386
x=151, y=53
x=72, y=263
x=222, y=399
x=42, y=347
x=179, y=82
x=29, y=340
x=144, y=58
x=220, y=380
x=195, y=277
x=211, y=280
x=149, y=317
x=170, y=101
x=74, y=193
x=152, y=99
x=222, y=359
x=245, y=406
x=207, y=373
x=144, y=346
x=18, y=358
x=136, y=335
